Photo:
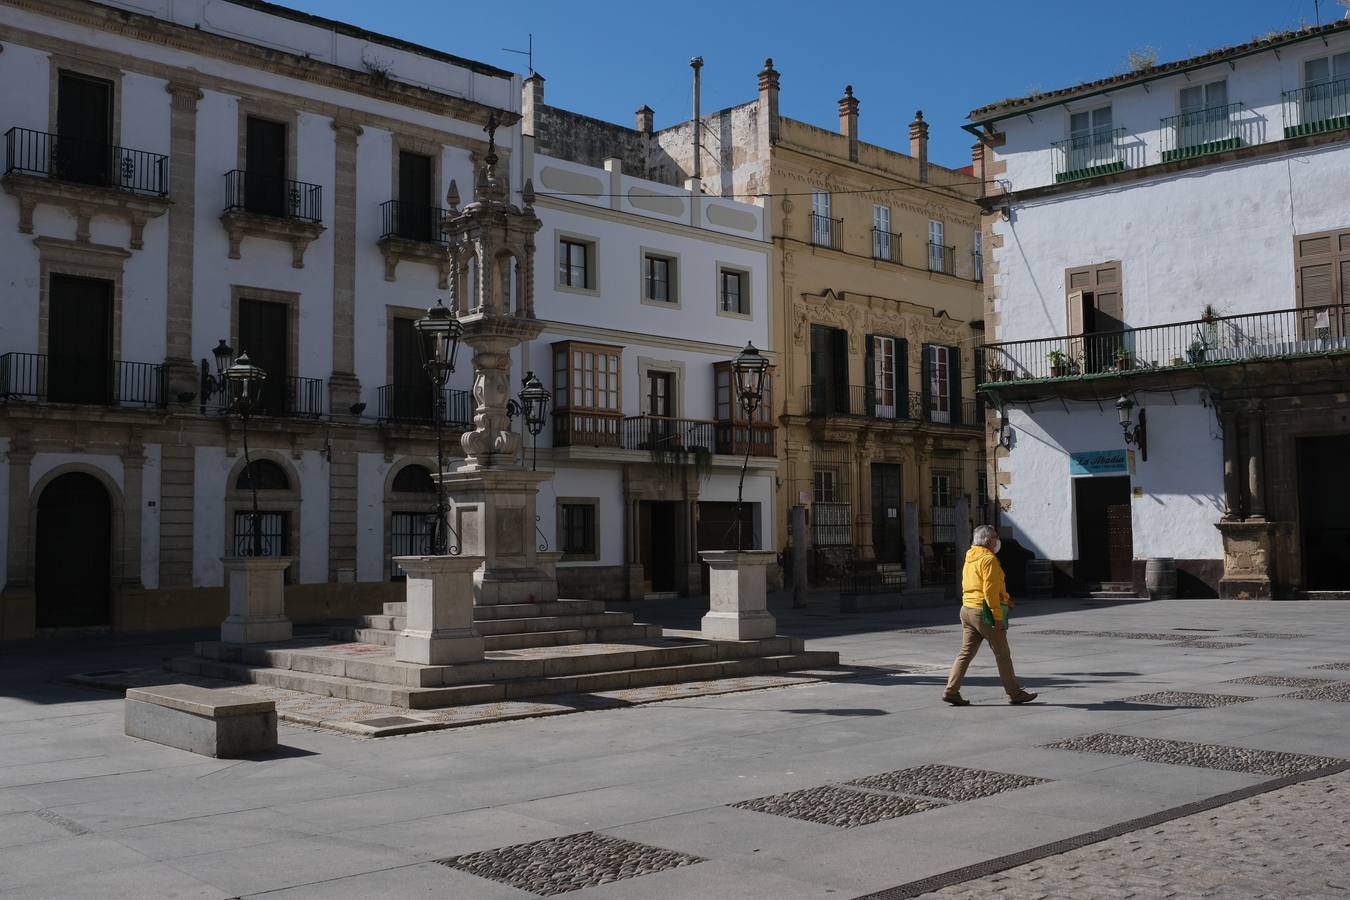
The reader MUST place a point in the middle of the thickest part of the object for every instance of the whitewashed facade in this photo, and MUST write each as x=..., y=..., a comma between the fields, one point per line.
x=1210, y=196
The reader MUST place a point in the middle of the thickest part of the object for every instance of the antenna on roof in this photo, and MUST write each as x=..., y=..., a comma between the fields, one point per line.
x=528, y=54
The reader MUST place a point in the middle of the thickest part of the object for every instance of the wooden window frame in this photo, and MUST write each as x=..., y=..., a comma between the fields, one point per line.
x=747, y=306
x=591, y=253
x=672, y=261
x=591, y=503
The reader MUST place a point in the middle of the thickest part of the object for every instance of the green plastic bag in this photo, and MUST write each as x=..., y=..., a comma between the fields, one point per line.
x=987, y=615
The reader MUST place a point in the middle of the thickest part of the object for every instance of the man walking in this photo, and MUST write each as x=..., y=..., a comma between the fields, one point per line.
x=984, y=617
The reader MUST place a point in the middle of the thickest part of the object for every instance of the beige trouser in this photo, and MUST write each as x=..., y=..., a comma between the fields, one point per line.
x=974, y=632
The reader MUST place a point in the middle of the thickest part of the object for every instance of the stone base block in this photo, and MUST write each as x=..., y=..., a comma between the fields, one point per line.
x=739, y=626
x=199, y=720
x=523, y=585
x=439, y=648
x=244, y=630
x=1246, y=589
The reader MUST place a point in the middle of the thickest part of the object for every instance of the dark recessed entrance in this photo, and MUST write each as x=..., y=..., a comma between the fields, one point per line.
x=1323, y=498
x=73, y=571
x=1105, y=536
x=658, y=543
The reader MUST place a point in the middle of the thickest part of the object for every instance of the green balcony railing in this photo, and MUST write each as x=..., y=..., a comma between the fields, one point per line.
x=1204, y=131
x=1089, y=155
x=1317, y=108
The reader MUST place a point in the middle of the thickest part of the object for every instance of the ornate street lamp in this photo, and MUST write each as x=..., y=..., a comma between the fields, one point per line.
x=438, y=334
x=212, y=385
x=242, y=383
x=1136, y=435
x=750, y=368
x=532, y=402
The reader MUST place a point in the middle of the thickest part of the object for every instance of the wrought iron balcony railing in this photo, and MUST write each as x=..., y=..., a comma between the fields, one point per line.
x=886, y=246
x=1087, y=155
x=1305, y=331
x=412, y=404
x=826, y=399
x=29, y=152
x=42, y=378
x=1317, y=109
x=284, y=395
x=941, y=258
x=1205, y=131
x=412, y=221
x=827, y=232
x=581, y=428
x=662, y=434
x=269, y=195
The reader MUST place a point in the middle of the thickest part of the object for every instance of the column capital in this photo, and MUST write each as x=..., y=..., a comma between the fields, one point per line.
x=347, y=127
x=185, y=95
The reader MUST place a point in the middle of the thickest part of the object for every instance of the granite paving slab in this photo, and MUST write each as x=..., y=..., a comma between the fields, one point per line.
x=1187, y=699
x=837, y=806
x=955, y=783
x=569, y=863
x=1205, y=756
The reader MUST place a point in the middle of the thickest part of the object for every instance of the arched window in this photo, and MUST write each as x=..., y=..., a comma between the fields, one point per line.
x=414, y=480
x=267, y=476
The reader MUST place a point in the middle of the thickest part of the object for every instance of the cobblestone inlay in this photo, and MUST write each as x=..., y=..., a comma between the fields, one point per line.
x=1343, y=666
x=840, y=807
x=1280, y=681
x=1210, y=645
x=569, y=863
x=1271, y=635
x=1204, y=756
x=1144, y=635
x=1187, y=699
x=930, y=631
x=954, y=783
x=1336, y=692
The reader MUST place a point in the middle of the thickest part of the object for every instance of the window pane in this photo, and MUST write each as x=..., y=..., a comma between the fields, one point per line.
x=1192, y=98
x=1079, y=123
x=1101, y=119
x=1216, y=94
x=1316, y=71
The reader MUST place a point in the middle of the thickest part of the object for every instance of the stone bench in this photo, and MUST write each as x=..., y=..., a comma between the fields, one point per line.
x=201, y=720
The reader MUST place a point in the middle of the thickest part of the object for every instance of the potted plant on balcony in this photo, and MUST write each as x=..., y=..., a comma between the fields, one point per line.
x=1123, y=358
x=996, y=371
x=1059, y=363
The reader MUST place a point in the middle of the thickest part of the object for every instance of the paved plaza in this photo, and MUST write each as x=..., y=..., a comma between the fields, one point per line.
x=1179, y=748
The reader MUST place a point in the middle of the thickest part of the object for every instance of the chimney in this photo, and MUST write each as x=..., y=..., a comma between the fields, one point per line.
x=848, y=121
x=697, y=65
x=645, y=117
x=768, y=102
x=977, y=164
x=531, y=101
x=918, y=143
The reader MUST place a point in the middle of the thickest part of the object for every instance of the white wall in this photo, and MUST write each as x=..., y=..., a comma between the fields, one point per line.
x=606, y=484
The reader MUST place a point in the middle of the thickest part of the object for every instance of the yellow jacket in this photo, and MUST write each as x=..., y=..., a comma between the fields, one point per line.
x=982, y=582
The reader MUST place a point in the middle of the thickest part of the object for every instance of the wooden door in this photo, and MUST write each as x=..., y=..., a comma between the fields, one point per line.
x=264, y=334
x=265, y=165
x=83, y=129
x=887, y=539
x=415, y=216
x=1096, y=312
x=1323, y=495
x=79, y=340
x=412, y=389
x=659, y=405
x=1103, y=524
x=73, y=556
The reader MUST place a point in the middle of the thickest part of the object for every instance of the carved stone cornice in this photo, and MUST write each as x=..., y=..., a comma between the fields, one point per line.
x=84, y=202
x=239, y=224
x=397, y=249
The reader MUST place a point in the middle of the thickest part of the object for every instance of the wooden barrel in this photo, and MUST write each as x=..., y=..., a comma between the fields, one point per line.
x=1040, y=578
x=1160, y=578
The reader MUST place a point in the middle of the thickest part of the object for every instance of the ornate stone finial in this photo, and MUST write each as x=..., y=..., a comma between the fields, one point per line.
x=491, y=129
x=452, y=196
x=768, y=77
x=527, y=192
x=488, y=187
x=918, y=115
x=848, y=90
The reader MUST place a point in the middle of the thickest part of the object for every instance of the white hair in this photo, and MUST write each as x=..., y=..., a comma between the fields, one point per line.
x=985, y=536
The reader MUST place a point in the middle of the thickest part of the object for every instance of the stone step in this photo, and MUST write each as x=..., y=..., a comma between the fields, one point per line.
x=408, y=697
x=1113, y=595
x=519, y=610
x=373, y=663
x=387, y=638
x=514, y=626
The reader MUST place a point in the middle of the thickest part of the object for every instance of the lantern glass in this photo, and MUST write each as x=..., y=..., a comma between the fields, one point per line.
x=750, y=367
x=439, y=332
x=534, y=398
x=224, y=355
x=245, y=381
x=1123, y=406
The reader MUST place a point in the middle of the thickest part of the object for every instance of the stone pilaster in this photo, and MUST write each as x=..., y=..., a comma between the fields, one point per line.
x=342, y=503
x=177, y=485
x=343, y=387
x=133, y=465
x=1232, y=490
x=181, y=372
x=18, y=609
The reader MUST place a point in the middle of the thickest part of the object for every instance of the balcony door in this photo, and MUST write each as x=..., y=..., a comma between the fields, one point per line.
x=1204, y=115
x=885, y=363
x=264, y=333
x=940, y=375
x=659, y=406
x=265, y=167
x=413, y=393
x=79, y=340
x=1090, y=139
x=415, y=217
x=1096, y=311
x=83, y=129
x=1326, y=83
x=829, y=371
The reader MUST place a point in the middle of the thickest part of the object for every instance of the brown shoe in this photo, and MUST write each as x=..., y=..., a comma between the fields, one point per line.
x=955, y=700
x=1024, y=697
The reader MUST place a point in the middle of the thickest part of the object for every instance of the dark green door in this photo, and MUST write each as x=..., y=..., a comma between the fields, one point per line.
x=83, y=129
x=79, y=340
x=264, y=336
x=265, y=167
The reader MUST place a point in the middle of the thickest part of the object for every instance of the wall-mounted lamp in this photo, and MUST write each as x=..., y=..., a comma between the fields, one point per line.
x=1135, y=435
x=1005, y=435
x=356, y=409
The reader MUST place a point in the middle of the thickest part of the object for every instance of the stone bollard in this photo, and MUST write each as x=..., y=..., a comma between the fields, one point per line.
x=257, y=589
x=439, y=629
x=738, y=608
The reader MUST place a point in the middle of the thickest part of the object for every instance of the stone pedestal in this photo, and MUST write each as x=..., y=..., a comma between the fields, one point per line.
x=738, y=601
x=257, y=600
x=439, y=629
x=1248, y=559
x=492, y=511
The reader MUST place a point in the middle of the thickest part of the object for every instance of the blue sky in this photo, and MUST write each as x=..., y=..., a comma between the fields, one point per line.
x=605, y=59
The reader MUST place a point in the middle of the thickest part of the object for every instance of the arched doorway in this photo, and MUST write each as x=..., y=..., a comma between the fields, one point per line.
x=73, y=571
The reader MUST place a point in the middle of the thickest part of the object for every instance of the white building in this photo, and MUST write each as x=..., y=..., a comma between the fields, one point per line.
x=183, y=172
x=650, y=292
x=1179, y=237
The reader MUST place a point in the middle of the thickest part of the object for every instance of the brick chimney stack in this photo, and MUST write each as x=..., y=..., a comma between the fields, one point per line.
x=645, y=117
x=918, y=143
x=848, y=121
x=768, y=102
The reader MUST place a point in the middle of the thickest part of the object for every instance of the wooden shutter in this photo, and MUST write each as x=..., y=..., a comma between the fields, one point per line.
x=839, y=369
x=1322, y=267
x=1109, y=301
x=264, y=336
x=954, y=379
x=925, y=380
x=902, y=377
x=820, y=370
x=1093, y=299
x=870, y=385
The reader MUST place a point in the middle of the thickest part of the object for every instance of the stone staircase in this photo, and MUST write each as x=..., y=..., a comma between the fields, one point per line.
x=1113, y=590
x=532, y=650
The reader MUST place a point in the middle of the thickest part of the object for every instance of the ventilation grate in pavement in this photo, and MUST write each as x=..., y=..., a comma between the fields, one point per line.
x=1336, y=692
x=954, y=783
x=1205, y=756
x=1343, y=666
x=1280, y=681
x=1187, y=699
x=569, y=863
x=837, y=806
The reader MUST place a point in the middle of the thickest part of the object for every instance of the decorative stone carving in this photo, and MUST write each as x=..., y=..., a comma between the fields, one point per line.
x=396, y=249
x=299, y=234
x=84, y=202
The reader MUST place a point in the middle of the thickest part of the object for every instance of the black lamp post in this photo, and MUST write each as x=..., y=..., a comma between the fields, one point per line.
x=750, y=368
x=242, y=382
x=439, y=332
x=532, y=402
x=212, y=385
x=1136, y=435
